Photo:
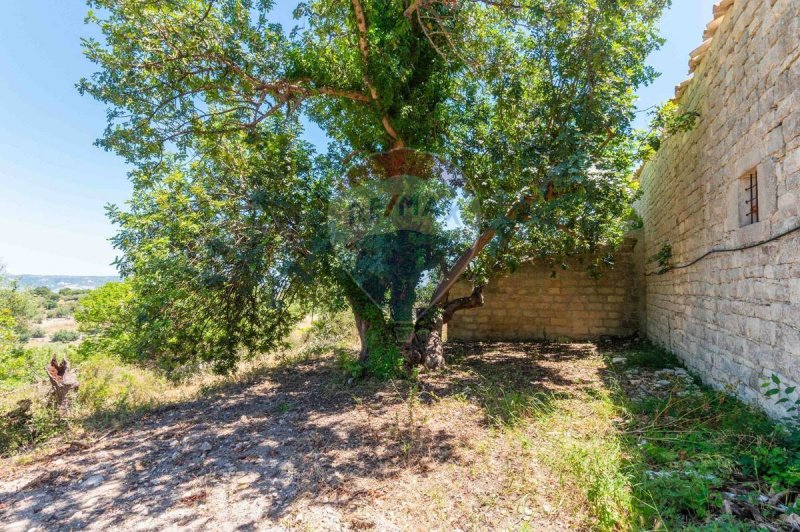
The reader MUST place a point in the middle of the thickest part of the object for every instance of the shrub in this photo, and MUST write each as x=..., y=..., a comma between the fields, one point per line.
x=330, y=331
x=28, y=424
x=106, y=317
x=65, y=336
x=8, y=336
x=108, y=384
x=22, y=306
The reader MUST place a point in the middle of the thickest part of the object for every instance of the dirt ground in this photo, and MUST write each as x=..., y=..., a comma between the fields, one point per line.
x=304, y=448
x=51, y=325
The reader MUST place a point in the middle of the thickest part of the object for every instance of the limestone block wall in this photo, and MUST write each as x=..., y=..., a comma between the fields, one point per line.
x=732, y=317
x=532, y=304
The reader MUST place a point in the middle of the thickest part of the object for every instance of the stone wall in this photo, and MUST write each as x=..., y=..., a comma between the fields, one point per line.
x=733, y=317
x=533, y=304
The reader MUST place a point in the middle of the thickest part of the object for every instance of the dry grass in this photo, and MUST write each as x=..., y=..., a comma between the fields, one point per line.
x=508, y=437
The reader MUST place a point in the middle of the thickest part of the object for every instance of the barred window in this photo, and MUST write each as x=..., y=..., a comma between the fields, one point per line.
x=748, y=205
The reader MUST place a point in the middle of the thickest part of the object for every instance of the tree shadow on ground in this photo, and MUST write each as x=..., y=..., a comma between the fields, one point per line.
x=302, y=432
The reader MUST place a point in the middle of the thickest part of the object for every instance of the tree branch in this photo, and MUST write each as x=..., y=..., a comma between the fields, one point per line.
x=363, y=46
x=475, y=299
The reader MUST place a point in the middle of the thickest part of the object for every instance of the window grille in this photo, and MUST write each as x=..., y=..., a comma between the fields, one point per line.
x=751, y=193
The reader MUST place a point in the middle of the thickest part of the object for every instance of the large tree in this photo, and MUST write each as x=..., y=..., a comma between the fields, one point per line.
x=530, y=100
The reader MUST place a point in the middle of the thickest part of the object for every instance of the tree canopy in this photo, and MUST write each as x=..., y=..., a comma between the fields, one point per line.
x=530, y=100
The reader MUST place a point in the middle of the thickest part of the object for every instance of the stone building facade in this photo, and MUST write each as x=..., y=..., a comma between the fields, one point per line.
x=725, y=197
x=732, y=182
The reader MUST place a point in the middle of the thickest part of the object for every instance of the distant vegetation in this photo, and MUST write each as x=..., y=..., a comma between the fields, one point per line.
x=59, y=282
x=96, y=330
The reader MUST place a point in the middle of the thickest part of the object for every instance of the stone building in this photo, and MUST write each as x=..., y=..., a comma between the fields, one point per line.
x=725, y=197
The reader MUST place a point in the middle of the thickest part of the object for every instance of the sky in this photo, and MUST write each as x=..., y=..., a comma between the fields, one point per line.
x=54, y=183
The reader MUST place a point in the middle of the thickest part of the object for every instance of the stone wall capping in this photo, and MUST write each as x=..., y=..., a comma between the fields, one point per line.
x=696, y=56
x=681, y=87
x=712, y=27
x=721, y=8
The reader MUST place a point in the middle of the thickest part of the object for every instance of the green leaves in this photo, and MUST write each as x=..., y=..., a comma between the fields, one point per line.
x=784, y=396
x=216, y=251
x=532, y=104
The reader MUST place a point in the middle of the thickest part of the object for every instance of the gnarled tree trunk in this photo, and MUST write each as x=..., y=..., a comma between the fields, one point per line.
x=427, y=346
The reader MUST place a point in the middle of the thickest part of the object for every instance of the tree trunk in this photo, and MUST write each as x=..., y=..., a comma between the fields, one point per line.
x=63, y=381
x=427, y=346
x=363, y=326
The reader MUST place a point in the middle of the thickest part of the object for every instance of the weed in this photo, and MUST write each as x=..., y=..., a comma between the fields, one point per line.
x=687, y=452
x=506, y=407
x=588, y=456
x=284, y=407
x=28, y=425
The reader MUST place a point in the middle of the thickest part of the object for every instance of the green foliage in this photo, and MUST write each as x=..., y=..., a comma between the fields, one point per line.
x=348, y=363
x=65, y=336
x=25, y=365
x=8, y=335
x=667, y=120
x=227, y=229
x=109, y=385
x=110, y=391
x=598, y=467
x=329, y=332
x=27, y=426
x=692, y=448
x=385, y=359
x=23, y=306
x=663, y=258
x=785, y=395
x=507, y=407
x=105, y=317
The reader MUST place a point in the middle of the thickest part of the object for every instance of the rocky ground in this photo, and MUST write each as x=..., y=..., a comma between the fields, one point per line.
x=305, y=448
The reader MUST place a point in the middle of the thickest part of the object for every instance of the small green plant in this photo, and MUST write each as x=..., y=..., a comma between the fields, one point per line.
x=284, y=407
x=65, y=336
x=784, y=395
x=663, y=258
x=37, y=332
x=348, y=363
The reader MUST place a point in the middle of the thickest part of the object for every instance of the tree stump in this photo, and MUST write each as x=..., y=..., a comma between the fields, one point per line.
x=63, y=381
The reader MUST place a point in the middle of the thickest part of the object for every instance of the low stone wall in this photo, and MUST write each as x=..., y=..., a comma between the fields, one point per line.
x=732, y=316
x=532, y=304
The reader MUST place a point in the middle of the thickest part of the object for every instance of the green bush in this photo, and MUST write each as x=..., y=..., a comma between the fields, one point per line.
x=23, y=306
x=22, y=366
x=65, y=336
x=109, y=392
x=328, y=332
x=27, y=425
x=8, y=336
x=109, y=384
x=105, y=315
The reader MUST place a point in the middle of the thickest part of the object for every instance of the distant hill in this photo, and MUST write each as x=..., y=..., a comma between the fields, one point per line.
x=57, y=282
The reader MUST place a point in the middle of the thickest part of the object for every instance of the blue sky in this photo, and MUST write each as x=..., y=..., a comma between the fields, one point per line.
x=54, y=182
